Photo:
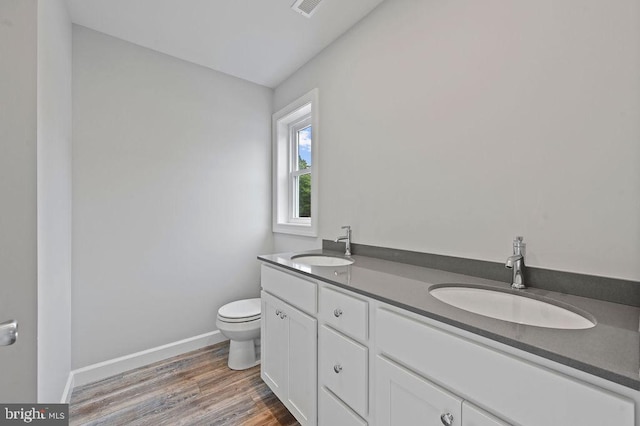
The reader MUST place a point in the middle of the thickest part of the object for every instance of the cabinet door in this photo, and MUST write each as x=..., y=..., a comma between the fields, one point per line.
x=404, y=398
x=474, y=416
x=274, y=350
x=302, y=365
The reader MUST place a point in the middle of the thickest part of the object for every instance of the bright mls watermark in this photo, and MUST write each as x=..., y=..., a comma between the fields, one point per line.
x=34, y=414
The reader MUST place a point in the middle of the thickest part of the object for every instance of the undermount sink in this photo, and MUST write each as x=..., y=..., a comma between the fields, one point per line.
x=510, y=307
x=321, y=260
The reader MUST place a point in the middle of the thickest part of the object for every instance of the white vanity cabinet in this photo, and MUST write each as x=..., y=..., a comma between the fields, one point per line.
x=289, y=342
x=337, y=358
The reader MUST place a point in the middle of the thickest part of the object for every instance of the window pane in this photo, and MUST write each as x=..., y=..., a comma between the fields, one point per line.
x=304, y=195
x=303, y=143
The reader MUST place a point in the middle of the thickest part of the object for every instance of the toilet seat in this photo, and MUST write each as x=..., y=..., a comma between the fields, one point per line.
x=240, y=311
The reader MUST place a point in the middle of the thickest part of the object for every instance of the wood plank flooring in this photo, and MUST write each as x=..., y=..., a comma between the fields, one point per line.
x=196, y=388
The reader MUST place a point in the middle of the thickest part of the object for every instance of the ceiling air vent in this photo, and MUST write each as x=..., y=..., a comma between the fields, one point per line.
x=306, y=7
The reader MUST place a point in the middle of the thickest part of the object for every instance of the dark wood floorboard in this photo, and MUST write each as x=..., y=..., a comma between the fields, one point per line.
x=196, y=388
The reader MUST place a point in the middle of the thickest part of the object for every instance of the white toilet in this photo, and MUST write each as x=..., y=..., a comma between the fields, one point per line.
x=240, y=322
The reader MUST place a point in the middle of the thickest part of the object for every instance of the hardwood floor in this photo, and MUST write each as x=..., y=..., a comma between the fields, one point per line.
x=196, y=388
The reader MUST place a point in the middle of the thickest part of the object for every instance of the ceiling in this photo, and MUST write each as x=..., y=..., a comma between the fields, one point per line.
x=263, y=41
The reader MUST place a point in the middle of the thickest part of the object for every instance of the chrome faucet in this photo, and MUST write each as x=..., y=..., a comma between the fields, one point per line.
x=347, y=240
x=8, y=332
x=516, y=262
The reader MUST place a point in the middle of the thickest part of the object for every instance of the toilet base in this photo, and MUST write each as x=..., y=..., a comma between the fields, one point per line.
x=242, y=355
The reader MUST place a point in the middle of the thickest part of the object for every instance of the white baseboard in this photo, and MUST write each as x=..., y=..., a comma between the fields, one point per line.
x=102, y=370
x=68, y=390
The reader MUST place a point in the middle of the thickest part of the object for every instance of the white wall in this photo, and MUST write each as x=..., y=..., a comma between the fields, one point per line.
x=18, y=249
x=170, y=189
x=451, y=126
x=54, y=199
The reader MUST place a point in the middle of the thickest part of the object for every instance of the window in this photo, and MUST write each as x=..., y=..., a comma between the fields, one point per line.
x=300, y=174
x=295, y=165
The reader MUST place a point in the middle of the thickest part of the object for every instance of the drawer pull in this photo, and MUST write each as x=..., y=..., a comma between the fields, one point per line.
x=447, y=419
x=337, y=312
x=278, y=312
x=283, y=315
x=337, y=368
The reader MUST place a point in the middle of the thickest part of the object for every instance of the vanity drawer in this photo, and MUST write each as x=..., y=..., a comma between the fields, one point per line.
x=297, y=291
x=343, y=367
x=344, y=312
x=333, y=412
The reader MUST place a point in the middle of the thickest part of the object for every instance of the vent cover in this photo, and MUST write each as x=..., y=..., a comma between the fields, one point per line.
x=306, y=7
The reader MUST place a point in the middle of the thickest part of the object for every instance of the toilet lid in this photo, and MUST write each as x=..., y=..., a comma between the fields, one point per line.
x=247, y=309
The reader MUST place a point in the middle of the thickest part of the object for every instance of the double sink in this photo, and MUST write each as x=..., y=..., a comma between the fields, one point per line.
x=516, y=306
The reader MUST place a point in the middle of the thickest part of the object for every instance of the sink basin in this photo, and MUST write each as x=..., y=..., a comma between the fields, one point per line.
x=511, y=307
x=321, y=260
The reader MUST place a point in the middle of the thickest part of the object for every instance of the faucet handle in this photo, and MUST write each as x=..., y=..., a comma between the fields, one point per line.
x=346, y=227
x=518, y=245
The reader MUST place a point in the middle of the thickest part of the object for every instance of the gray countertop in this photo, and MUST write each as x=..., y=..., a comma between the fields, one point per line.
x=610, y=350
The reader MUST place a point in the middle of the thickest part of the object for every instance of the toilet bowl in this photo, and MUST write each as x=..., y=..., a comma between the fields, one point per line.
x=240, y=322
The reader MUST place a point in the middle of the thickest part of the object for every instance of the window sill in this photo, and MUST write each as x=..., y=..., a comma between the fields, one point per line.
x=301, y=229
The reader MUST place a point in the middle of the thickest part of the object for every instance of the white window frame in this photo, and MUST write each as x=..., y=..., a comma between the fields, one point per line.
x=285, y=123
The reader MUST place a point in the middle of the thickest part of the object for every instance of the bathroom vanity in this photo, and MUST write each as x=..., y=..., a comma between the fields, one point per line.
x=367, y=344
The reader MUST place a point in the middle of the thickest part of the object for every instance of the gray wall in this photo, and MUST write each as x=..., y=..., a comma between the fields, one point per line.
x=54, y=199
x=451, y=126
x=171, y=185
x=18, y=218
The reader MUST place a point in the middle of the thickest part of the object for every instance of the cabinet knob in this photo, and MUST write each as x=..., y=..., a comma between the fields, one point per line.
x=337, y=312
x=447, y=419
x=337, y=368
